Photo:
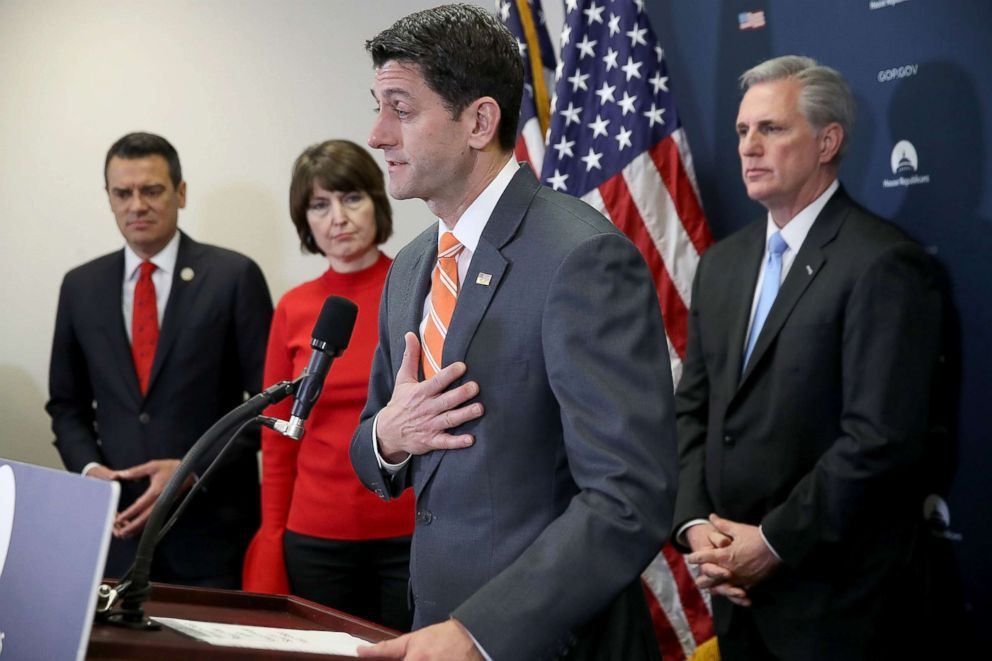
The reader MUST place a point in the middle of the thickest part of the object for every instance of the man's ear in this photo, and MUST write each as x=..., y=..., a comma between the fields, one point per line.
x=181, y=194
x=484, y=115
x=830, y=139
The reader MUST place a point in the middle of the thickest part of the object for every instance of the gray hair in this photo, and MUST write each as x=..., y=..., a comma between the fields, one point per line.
x=824, y=97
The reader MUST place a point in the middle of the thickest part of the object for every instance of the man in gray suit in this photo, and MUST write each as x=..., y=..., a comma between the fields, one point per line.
x=803, y=404
x=539, y=438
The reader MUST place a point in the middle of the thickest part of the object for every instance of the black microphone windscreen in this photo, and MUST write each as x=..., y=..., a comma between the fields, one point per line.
x=335, y=323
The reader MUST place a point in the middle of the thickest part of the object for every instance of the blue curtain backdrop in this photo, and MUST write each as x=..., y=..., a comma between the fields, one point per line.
x=922, y=75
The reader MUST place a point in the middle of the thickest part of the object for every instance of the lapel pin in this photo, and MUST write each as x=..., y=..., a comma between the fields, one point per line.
x=187, y=274
x=484, y=279
x=809, y=269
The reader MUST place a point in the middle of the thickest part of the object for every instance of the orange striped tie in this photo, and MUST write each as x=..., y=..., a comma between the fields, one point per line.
x=444, y=294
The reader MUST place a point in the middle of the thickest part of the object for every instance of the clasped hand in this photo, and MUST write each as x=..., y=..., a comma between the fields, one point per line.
x=418, y=416
x=732, y=558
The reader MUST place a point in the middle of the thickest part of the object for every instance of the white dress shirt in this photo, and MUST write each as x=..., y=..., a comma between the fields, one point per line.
x=165, y=262
x=794, y=234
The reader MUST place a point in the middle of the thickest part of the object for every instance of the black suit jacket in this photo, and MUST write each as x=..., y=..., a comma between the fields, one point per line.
x=210, y=352
x=820, y=439
x=534, y=538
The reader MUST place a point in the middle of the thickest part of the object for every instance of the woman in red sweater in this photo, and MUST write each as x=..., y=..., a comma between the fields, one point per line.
x=324, y=536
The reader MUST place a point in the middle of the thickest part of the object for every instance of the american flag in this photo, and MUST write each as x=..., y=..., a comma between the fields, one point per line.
x=751, y=20
x=525, y=20
x=616, y=142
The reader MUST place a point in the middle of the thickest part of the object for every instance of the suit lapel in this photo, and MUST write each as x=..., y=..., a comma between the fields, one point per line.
x=487, y=266
x=418, y=283
x=803, y=271
x=181, y=297
x=746, y=270
x=414, y=287
x=482, y=280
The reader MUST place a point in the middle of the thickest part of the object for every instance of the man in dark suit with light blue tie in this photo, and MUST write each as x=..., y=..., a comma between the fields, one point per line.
x=538, y=434
x=803, y=406
x=153, y=344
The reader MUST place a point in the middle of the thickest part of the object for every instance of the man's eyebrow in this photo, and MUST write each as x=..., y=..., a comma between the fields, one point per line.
x=393, y=92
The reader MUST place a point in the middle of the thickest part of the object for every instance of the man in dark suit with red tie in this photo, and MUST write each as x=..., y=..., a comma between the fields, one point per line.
x=153, y=344
x=803, y=405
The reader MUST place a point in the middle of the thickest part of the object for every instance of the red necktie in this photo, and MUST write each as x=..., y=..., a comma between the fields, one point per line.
x=444, y=294
x=144, y=325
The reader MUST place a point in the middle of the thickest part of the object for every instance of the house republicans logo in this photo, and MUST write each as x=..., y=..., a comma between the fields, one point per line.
x=905, y=165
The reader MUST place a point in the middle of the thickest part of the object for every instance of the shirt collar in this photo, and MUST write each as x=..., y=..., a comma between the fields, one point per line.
x=470, y=225
x=164, y=259
x=795, y=231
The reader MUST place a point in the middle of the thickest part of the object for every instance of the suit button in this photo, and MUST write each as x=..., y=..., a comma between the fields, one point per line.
x=144, y=418
x=425, y=517
x=728, y=440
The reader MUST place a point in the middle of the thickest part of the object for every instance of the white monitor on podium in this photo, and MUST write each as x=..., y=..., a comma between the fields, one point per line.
x=54, y=536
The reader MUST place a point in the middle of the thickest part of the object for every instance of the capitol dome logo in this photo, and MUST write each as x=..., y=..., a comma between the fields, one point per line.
x=905, y=164
x=904, y=158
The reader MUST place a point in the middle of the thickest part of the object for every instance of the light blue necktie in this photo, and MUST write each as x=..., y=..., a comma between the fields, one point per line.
x=769, y=290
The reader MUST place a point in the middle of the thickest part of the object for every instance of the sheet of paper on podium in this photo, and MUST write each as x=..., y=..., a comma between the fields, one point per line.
x=267, y=638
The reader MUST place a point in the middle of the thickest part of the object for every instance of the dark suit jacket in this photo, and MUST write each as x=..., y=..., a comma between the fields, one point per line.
x=820, y=440
x=211, y=351
x=528, y=536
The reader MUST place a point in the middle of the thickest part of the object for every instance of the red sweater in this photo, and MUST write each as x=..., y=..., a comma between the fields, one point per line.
x=309, y=486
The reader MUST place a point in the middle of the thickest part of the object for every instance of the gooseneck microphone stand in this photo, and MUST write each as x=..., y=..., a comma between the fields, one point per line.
x=134, y=588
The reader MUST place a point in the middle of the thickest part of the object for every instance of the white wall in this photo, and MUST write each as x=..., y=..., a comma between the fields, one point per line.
x=240, y=87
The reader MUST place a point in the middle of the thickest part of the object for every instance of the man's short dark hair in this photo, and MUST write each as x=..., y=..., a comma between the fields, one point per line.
x=463, y=53
x=341, y=166
x=139, y=145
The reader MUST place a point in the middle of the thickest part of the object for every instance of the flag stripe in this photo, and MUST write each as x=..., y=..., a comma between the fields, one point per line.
x=693, y=605
x=668, y=641
x=659, y=577
x=625, y=215
x=667, y=158
x=685, y=155
x=676, y=360
x=533, y=138
x=660, y=216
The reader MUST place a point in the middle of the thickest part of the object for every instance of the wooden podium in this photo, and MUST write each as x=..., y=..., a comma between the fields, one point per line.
x=229, y=607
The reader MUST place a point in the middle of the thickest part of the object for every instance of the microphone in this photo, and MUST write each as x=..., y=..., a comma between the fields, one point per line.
x=329, y=339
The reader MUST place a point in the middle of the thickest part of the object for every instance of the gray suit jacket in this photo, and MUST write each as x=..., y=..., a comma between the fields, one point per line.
x=529, y=535
x=821, y=439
